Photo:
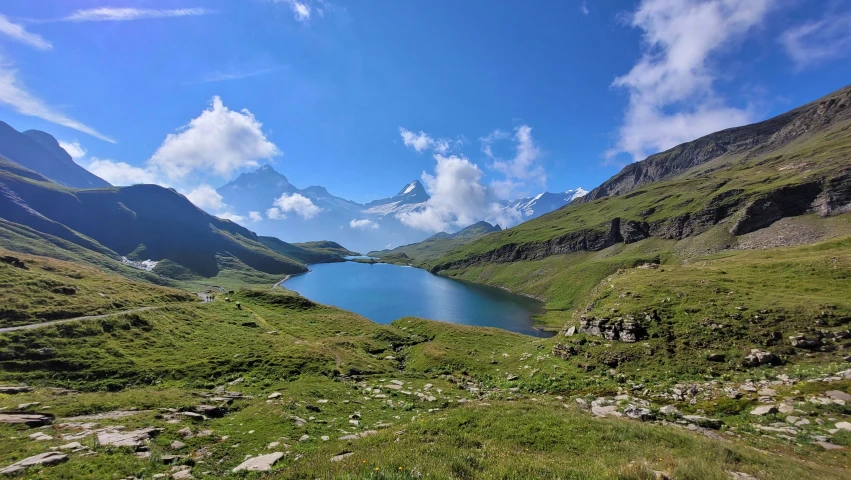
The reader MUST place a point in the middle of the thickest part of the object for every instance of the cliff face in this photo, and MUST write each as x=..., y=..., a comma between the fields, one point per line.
x=749, y=141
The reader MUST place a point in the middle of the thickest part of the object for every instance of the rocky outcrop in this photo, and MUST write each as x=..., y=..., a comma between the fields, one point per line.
x=628, y=331
x=751, y=140
x=47, y=458
x=835, y=197
x=757, y=358
x=787, y=201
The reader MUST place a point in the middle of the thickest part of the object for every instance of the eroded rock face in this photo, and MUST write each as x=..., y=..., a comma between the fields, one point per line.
x=563, y=351
x=628, y=331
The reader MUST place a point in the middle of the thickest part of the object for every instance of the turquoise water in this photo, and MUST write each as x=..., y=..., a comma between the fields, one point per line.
x=383, y=293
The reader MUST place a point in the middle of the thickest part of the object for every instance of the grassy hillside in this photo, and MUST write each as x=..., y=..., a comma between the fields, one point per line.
x=419, y=397
x=36, y=289
x=311, y=252
x=326, y=247
x=435, y=246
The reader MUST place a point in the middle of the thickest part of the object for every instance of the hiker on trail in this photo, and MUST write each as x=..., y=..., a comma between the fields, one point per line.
x=238, y=306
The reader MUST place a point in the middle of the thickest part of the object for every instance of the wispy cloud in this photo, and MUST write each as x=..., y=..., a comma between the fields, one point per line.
x=227, y=76
x=817, y=41
x=672, y=98
x=19, y=33
x=584, y=7
x=301, y=10
x=15, y=95
x=109, y=14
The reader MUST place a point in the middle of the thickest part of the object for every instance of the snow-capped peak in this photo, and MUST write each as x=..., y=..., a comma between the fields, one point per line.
x=410, y=187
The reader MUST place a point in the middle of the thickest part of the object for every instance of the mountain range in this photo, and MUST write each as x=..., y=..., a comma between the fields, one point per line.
x=362, y=227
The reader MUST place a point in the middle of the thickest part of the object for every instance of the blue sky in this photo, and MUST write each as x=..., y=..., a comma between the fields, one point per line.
x=364, y=96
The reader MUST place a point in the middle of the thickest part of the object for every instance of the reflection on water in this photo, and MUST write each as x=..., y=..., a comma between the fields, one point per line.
x=383, y=293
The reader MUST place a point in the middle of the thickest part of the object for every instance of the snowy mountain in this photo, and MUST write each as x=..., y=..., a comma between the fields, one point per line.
x=545, y=202
x=360, y=227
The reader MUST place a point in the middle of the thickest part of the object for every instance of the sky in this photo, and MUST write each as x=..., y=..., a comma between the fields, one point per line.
x=477, y=99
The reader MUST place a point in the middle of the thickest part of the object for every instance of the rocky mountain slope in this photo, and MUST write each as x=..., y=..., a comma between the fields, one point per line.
x=139, y=223
x=533, y=207
x=733, y=145
x=40, y=152
x=787, y=166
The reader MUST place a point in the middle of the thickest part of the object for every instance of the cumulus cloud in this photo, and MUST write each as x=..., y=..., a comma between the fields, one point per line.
x=15, y=94
x=255, y=216
x=20, y=34
x=364, y=224
x=296, y=203
x=231, y=216
x=671, y=94
x=458, y=198
x=120, y=173
x=73, y=148
x=524, y=165
x=421, y=141
x=205, y=197
x=220, y=141
x=818, y=41
x=108, y=14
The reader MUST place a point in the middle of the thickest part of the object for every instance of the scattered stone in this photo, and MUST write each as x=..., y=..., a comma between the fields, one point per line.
x=764, y=410
x=341, y=456
x=358, y=435
x=844, y=426
x=304, y=438
x=600, y=411
x=169, y=459
x=767, y=392
x=703, y=422
x=40, y=436
x=716, y=357
x=828, y=446
x=25, y=406
x=274, y=395
x=759, y=357
x=47, y=458
x=837, y=395
x=741, y=476
x=260, y=463
x=177, y=445
x=627, y=331
x=511, y=377
x=670, y=410
x=785, y=408
x=184, y=473
x=570, y=331
x=393, y=386
x=185, y=432
x=28, y=419
x=73, y=446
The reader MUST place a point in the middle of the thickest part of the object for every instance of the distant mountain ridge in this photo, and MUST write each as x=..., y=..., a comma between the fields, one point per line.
x=40, y=152
x=436, y=245
x=358, y=226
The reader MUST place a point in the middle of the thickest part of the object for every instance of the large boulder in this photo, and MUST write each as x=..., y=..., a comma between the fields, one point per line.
x=758, y=358
x=624, y=330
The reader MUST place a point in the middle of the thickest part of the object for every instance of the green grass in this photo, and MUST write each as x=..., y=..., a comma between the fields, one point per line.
x=46, y=289
x=805, y=159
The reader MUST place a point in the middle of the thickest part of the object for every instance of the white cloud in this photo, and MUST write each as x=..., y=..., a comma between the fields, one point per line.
x=301, y=10
x=524, y=166
x=14, y=94
x=107, y=14
x=231, y=216
x=205, y=197
x=584, y=7
x=458, y=198
x=19, y=33
x=671, y=94
x=489, y=139
x=296, y=203
x=220, y=141
x=422, y=141
x=120, y=173
x=224, y=77
x=73, y=148
x=364, y=224
x=255, y=216
x=818, y=41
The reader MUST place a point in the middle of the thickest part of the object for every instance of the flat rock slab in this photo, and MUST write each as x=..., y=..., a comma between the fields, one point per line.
x=260, y=463
x=599, y=411
x=13, y=389
x=107, y=415
x=838, y=395
x=47, y=458
x=828, y=446
x=356, y=436
x=28, y=419
x=341, y=456
x=764, y=410
x=127, y=439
